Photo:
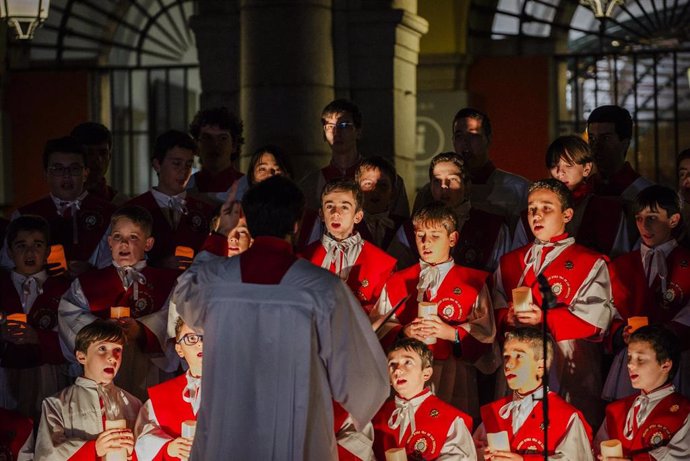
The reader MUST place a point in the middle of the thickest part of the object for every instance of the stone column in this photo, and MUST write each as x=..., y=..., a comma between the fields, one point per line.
x=383, y=50
x=217, y=31
x=287, y=76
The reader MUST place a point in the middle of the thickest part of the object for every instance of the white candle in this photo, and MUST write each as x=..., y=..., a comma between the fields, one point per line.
x=426, y=310
x=498, y=441
x=188, y=429
x=522, y=298
x=612, y=448
x=396, y=454
x=120, y=454
x=119, y=312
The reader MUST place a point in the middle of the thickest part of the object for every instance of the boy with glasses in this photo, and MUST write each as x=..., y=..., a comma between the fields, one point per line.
x=78, y=220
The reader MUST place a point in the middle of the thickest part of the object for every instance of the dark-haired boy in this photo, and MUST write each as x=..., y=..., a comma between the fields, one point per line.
x=581, y=310
x=652, y=282
x=74, y=422
x=341, y=122
x=129, y=282
x=415, y=419
x=483, y=236
x=98, y=141
x=78, y=220
x=342, y=251
x=32, y=366
x=520, y=416
x=462, y=321
x=178, y=219
x=218, y=133
x=653, y=424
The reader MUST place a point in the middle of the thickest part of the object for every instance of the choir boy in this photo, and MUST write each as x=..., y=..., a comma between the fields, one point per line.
x=520, y=415
x=341, y=250
x=415, y=419
x=76, y=422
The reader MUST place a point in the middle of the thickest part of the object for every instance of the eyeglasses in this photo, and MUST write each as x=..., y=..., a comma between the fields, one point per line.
x=190, y=339
x=58, y=170
x=340, y=125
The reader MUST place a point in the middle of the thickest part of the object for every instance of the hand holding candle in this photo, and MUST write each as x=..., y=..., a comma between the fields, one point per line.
x=426, y=310
x=396, y=454
x=522, y=298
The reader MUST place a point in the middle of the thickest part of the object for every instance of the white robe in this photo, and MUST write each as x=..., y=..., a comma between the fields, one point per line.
x=274, y=357
x=74, y=416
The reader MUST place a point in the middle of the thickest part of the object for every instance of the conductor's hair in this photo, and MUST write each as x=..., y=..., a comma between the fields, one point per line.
x=273, y=207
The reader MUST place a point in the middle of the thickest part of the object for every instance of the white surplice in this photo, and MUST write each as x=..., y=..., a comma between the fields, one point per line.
x=274, y=357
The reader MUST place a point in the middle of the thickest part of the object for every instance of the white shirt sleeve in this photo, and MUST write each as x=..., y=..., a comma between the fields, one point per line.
x=575, y=445
x=459, y=444
x=73, y=315
x=678, y=448
x=593, y=301
x=359, y=443
x=150, y=437
x=51, y=441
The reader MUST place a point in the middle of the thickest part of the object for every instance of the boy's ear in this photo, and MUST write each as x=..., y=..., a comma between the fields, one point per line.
x=178, y=349
x=81, y=357
x=453, y=237
x=426, y=373
x=587, y=169
x=674, y=220
x=667, y=365
x=358, y=216
x=568, y=215
x=149, y=243
x=156, y=165
x=540, y=368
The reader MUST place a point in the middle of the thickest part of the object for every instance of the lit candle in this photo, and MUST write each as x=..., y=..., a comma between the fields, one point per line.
x=426, y=310
x=396, y=454
x=18, y=317
x=119, y=454
x=498, y=441
x=119, y=312
x=637, y=322
x=612, y=448
x=522, y=298
x=188, y=429
x=57, y=256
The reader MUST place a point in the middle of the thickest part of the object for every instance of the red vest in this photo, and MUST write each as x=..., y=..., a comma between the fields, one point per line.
x=368, y=274
x=477, y=239
x=103, y=289
x=170, y=409
x=191, y=231
x=433, y=419
x=93, y=219
x=221, y=182
x=42, y=317
x=565, y=275
x=14, y=430
x=455, y=297
x=666, y=419
x=530, y=437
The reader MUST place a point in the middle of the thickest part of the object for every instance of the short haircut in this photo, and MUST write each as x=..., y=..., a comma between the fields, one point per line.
x=90, y=133
x=169, y=140
x=343, y=185
x=28, y=223
x=682, y=155
x=272, y=207
x=565, y=197
x=616, y=115
x=281, y=159
x=342, y=105
x=664, y=342
x=573, y=149
x=455, y=159
x=179, y=323
x=469, y=112
x=436, y=214
x=374, y=162
x=223, y=119
x=66, y=145
x=99, y=330
x=415, y=345
x=138, y=215
x=533, y=337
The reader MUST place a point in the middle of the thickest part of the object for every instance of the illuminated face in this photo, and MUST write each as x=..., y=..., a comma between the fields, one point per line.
x=215, y=147
x=174, y=171
x=546, y=218
x=340, y=214
x=29, y=252
x=684, y=179
x=192, y=353
x=406, y=373
x=446, y=185
x=66, y=175
x=646, y=373
x=239, y=238
x=434, y=243
x=470, y=141
x=128, y=242
x=377, y=190
x=523, y=372
x=570, y=174
x=656, y=227
x=101, y=361
x=609, y=150
x=266, y=167
x=340, y=132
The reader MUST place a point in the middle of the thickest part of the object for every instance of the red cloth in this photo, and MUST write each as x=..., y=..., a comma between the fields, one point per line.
x=666, y=419
x=266, y=261
x=15, y=429
x=170, y=410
